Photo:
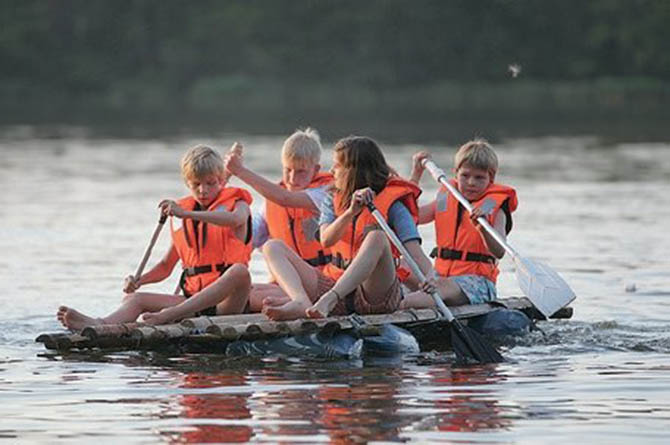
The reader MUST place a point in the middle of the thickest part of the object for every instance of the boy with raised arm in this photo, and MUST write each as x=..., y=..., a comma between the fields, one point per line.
x=211, y=236
x=291, y=211
x=466, y=256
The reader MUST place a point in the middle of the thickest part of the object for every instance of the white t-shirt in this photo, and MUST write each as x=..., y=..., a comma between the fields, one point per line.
x=260, y=232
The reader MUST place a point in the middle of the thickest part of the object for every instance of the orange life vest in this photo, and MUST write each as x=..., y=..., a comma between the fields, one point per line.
x=345, y=249
x=460, y=248
x=207, y=250
x=299, y=228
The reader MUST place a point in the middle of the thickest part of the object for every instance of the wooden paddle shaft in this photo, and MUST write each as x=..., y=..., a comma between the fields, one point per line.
x=441, y=177
x=147, y=253
x=408, y=258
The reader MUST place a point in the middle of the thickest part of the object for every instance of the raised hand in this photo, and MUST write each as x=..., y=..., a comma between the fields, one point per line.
x=232, y=161
x=417, y=165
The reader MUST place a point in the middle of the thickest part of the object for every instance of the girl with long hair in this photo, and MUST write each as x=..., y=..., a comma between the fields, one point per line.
x=365, y=273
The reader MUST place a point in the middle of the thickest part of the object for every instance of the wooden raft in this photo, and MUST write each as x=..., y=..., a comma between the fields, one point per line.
x=221, y=330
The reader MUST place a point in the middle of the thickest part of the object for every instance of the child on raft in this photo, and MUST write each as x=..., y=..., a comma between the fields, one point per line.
x=363, y=276
x=211, y=236
x=292, y=206
x=466, y=256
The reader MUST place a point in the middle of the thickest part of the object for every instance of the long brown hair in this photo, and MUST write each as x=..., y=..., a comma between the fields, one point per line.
x=364, y=166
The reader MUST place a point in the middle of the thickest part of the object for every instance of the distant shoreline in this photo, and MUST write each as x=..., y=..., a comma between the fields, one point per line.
x=629, y=110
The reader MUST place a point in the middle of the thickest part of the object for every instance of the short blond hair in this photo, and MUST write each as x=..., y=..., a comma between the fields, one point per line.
x=479, y=154
x=302, y=145
x=201, y=161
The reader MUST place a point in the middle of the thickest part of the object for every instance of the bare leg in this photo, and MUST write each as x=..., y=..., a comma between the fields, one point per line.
x=373, y=268
x=451, y=294
x=132, y=306
x=260, y=292
x=297, y=278
x=229, y=293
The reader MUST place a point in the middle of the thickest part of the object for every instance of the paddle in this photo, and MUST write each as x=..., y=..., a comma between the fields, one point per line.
x=540, y=283
x=467, y=344
x=147, y=253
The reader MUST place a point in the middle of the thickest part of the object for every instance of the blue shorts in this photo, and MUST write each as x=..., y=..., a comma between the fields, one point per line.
x=477, y=288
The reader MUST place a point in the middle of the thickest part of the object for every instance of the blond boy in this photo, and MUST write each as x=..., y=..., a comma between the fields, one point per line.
x=292, y=208
x=466, y=256
x=210, y=236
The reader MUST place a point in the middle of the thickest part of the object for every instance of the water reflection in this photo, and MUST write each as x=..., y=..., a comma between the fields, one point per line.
x=468, y=403
x=212, y=406
x=342, y=404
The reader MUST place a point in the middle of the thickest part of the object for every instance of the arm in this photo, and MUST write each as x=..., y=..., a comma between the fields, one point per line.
x=427, y=212
x=157, y=273
x=331, y=233
x=236, y=218
x=269, y=190
x=417, y=253
x=499, y=225
x=332, y=229
x=417, y=165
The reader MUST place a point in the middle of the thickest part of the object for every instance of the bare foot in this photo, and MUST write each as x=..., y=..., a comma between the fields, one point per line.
x=287, y=311
x=75, y=320
x=161, y=317
x=275, y=301
x=323, y=306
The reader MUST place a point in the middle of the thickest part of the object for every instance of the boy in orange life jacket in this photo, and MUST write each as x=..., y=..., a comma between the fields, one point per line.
x=291, y=211
x=210, y=235
x=466, y=256
x=363, y=275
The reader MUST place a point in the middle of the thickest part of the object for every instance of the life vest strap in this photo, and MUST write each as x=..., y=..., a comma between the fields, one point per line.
x=321, y=260
x=340, y=262
x=197, y=270
x=450, y=254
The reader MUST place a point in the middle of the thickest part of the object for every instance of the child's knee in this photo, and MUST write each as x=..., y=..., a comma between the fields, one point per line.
x=378, y=239
x=240, y=274
x=273, y=247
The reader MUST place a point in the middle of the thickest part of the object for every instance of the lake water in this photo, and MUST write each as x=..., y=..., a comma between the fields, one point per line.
x=78, y=210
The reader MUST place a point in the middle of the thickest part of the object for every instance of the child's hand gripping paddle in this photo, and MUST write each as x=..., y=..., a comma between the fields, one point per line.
x=467, y=344
x=540, y=283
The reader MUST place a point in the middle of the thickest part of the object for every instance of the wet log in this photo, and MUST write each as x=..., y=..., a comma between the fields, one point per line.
x=227, y=328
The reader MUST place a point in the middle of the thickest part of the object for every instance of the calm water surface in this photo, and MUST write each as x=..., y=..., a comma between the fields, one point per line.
x=77, y=212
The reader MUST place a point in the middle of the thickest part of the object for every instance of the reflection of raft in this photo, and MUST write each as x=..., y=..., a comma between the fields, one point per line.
x=333, y=337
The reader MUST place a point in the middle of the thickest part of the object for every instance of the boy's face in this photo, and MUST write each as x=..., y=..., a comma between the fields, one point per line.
x=205, y=189
x=473, y=182
x=298, y=174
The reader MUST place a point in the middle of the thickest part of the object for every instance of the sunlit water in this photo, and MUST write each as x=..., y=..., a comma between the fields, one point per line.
x=78, y=211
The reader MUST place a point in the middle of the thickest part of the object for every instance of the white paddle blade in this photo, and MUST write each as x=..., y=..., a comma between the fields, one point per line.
x=543, y=286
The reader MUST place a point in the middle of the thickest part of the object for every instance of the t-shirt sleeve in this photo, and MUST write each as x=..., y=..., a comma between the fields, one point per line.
x=402, y=223
x=327, y=215
x=259, y=228
x=318, y=195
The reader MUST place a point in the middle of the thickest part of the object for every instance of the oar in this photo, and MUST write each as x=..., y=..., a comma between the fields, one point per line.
x=467, y=344
x=147, y=253
x=540, y=283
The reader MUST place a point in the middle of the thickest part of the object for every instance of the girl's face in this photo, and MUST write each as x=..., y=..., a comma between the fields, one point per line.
x=206, y=189
x=338, y=171
x=472, y=182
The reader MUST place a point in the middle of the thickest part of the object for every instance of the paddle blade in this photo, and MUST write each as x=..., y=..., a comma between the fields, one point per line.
x=469, y=346
x=543, y=286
